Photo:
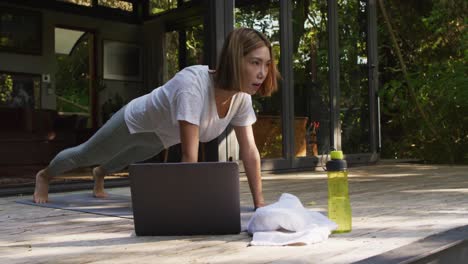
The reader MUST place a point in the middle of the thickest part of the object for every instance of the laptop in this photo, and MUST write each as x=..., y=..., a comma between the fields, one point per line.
x=185, y=198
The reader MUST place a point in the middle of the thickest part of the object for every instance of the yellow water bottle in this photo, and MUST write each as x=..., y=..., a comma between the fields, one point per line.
x=339, y=207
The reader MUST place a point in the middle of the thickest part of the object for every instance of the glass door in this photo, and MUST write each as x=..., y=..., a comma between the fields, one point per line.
x=184, y=47
x=264, y=16
x=313, y=91
x=310, y=70
x=354, y=76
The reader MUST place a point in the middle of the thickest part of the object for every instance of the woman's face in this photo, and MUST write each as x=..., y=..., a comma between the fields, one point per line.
x=256, y=65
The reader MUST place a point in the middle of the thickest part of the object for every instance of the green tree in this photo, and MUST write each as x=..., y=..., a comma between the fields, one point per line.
x=423, y=54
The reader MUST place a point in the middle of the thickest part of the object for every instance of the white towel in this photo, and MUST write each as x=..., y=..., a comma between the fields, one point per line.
x=287, y=222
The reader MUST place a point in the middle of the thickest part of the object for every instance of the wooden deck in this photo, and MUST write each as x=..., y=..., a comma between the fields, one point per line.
x=394, y=205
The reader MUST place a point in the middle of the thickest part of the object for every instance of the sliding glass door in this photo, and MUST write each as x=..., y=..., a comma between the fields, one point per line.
x=268, y=130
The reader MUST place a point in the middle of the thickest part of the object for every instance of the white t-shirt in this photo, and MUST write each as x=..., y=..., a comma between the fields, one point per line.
x=188, y=96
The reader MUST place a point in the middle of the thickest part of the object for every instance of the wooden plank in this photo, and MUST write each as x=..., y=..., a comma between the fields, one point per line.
x=393, y=205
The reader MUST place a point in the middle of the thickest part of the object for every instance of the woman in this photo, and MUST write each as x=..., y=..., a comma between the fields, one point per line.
x=197, y=104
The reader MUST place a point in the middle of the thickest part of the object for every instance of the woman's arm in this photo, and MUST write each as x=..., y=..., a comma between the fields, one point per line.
x=251, y=159
x=189, y=138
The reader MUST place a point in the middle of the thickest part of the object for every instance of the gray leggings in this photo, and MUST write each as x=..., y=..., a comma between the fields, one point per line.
x=112, y=147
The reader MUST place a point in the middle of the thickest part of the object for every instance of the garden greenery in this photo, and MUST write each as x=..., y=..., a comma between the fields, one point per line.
x=424, y=114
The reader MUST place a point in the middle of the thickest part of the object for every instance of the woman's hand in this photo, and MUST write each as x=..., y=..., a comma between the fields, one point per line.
x=259, y=201
x=259, y=204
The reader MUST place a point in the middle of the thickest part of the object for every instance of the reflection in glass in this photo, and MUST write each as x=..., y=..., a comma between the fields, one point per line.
x=19, y=90
x=72, y=80
x=122, y=5
x=311, y=87
x=264, y=17
x=20, y=31
x=78, y=2
x=159, y=6
x=354, y=86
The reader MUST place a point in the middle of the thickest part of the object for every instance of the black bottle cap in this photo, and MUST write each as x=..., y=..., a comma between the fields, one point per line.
x=336, y=165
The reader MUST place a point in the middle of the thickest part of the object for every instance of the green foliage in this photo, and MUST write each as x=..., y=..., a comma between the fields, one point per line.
x=354, y=85
x=172, y=54
x=194, y=45
x=6, y=87
x=433, y=41
x=159, y=6
x=193, y=49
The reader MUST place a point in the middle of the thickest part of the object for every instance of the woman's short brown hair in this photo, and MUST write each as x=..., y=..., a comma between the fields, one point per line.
x=239, y=43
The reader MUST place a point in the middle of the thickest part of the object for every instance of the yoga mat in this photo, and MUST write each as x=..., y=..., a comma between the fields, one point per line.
x=114, y=205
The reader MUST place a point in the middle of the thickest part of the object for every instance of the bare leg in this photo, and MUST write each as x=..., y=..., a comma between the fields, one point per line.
x=99, y=173
x=41, y=190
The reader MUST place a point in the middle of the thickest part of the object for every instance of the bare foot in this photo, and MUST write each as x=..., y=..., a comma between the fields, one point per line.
x=98, y=190
x=41, y=191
